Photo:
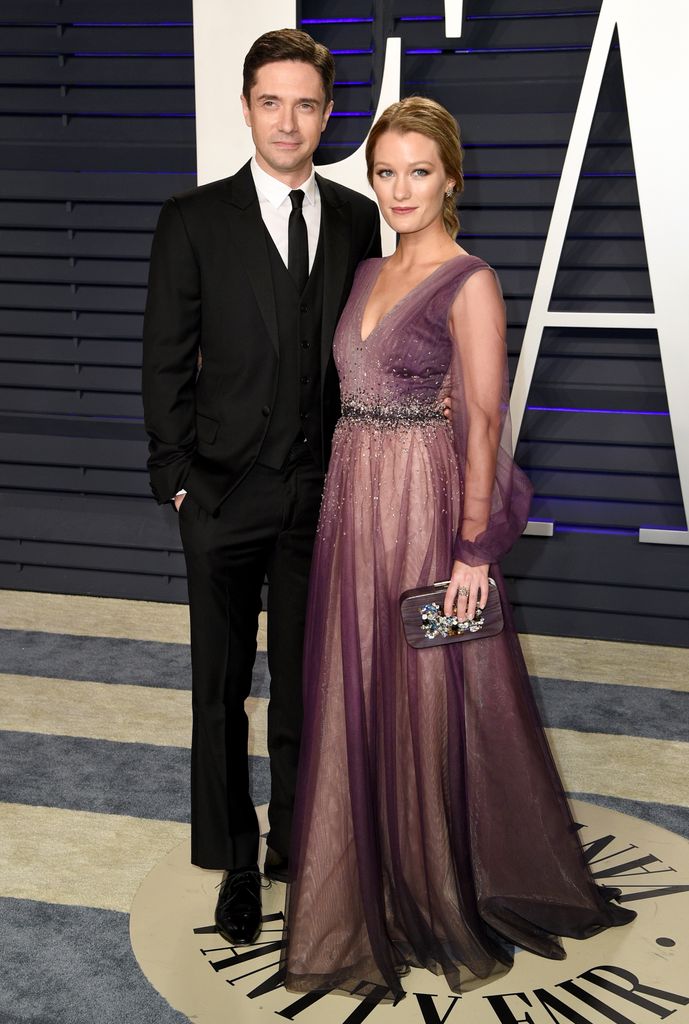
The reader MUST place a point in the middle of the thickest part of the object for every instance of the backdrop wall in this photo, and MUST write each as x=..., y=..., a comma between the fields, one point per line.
x=97, y=127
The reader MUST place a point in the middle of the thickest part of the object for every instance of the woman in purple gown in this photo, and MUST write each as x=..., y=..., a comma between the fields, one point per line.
x=431, y=828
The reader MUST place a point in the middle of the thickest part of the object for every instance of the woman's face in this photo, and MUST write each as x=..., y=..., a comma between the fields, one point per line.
x=409, y=180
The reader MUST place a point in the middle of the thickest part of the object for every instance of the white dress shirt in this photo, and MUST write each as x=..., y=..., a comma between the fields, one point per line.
x=276, y=206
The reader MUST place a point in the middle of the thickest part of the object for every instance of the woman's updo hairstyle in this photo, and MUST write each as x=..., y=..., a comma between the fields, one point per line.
x=425, y=116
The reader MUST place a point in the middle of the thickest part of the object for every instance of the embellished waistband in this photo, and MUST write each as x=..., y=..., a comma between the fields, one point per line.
x=404, y=414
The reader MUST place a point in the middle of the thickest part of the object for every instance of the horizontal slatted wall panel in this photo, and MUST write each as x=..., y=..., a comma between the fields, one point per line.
x=96, y=130
x=513, y=81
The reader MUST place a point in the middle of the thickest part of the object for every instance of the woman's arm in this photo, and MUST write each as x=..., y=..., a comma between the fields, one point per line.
x=495, y=494
x=477, y=325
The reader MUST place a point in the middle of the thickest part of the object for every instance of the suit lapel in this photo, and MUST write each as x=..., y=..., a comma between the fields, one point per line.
x=335, y=225
x=249, y=236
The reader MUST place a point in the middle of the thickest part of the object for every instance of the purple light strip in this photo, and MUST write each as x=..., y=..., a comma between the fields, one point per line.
x=125, y=114
x=603, y=412
x=351, y=113
x=423, y=17
x=131, y=24
x=118, y=171
x=336, y=21
x=338, y=52
x=123, y=53
x=607, y=531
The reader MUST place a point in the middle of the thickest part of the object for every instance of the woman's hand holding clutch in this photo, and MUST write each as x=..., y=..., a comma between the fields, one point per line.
x=468, y=590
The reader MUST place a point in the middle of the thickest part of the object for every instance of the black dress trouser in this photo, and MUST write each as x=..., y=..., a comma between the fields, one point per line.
x=266, y=527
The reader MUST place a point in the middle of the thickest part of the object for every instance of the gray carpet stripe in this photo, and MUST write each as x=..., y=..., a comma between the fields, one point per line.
x=138, y=779
x=73, y=964
x=564, y=704
x=107, y=660
x=613, y=709
x=669, y=816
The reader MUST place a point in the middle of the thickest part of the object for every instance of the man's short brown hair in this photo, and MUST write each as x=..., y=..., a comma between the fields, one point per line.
x=289, y=44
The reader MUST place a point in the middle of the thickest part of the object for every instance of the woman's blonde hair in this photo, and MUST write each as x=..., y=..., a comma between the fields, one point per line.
x=425, y=116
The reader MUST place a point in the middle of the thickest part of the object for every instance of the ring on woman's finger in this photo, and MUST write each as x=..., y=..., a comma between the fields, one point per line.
x=463, y=592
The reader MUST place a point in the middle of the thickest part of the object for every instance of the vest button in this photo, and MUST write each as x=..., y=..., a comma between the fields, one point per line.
x=303, y=308
x=303, y=415
x=305, y=343
x=305, y=380
x=266, y=410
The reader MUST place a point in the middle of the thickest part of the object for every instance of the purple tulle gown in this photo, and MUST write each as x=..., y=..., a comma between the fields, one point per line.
x=431, y=828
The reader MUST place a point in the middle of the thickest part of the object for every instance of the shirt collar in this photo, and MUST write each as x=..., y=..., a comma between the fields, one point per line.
x=275, y=192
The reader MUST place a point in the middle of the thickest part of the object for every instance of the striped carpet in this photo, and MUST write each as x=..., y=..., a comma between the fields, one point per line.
x=94, y=788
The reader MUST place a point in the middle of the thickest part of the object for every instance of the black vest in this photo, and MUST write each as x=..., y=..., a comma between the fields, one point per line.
x=297, y=406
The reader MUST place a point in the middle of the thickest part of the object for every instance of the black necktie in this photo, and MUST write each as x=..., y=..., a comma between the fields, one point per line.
x=298, y=242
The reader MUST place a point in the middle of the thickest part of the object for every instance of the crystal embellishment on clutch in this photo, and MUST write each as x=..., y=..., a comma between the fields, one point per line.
x=434, y=623
x=425, y=625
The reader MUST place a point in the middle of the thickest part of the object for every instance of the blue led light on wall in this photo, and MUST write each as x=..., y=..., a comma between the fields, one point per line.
x=127, y=114
x=128, y=53
x=609, y=531
x=129, y=24
x=603, y=412
x=336, y=21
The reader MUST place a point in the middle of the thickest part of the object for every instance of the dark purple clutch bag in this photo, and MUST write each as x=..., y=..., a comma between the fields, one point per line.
x=425, y=625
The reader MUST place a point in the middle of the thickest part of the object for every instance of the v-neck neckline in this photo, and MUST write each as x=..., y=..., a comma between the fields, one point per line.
x=374, y=278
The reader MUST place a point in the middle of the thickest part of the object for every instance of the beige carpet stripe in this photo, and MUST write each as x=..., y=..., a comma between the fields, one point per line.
x=559, y=657
x=94, y=616
x=110, y=711
x=629, y=767
x=605, y=661
x=80, y=858
x=104, y=711
x=100, y=616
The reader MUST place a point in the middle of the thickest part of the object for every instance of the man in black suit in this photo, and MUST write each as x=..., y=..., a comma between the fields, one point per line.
x=248, y=277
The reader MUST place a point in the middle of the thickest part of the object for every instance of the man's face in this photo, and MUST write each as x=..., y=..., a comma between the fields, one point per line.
x=287, y=114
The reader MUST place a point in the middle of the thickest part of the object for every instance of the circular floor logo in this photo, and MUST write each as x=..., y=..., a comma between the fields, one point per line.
x=632, y=975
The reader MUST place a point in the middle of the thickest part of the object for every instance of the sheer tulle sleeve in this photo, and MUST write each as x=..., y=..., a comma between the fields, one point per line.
x=496, y=494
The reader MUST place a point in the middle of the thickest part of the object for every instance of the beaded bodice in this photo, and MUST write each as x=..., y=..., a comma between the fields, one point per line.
x=398, y=373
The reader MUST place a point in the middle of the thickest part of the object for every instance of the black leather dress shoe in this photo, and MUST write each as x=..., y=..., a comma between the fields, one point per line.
x=276, y=866
x=238, y=912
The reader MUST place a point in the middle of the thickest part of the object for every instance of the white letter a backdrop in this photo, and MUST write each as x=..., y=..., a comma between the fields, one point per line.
x=653, y=45
x=653, y=48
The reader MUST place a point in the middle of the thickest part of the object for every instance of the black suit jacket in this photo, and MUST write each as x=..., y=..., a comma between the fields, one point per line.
x=210, y=289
